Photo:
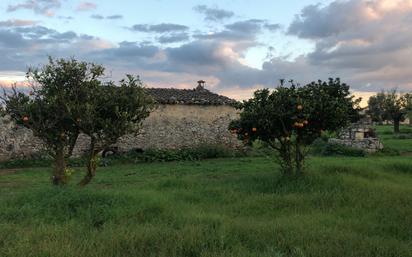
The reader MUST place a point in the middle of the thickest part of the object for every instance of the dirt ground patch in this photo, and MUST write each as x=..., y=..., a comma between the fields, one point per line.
x=7, y=171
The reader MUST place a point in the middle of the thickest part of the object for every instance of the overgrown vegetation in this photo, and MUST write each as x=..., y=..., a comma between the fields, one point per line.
x=321, y=147
x=240, y=207
x=400, y=142
x=201, y=152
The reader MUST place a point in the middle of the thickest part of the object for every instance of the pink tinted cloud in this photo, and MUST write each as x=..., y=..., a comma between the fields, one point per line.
x=86, y=6
x=17, y=23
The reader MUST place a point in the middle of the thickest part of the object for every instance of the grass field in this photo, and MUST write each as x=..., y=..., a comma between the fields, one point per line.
x=223, y=207
x=393, y=141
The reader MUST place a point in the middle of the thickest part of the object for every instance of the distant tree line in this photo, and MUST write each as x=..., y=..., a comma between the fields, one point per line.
x=390, y=106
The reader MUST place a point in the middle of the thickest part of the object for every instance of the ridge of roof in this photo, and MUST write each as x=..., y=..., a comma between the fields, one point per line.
x=196, y=96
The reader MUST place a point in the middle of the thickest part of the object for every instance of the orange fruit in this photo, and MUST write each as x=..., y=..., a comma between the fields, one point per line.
x=299, y=107
x=25, y=118
x=254, y=129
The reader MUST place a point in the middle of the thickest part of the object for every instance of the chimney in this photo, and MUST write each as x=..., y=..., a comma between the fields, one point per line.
x=200, y=85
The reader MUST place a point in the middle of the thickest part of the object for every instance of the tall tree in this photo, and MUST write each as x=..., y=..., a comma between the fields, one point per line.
x=408, y=106
x=111, y=112
x=48, y=109
x=289, y=119
x=394, y=108
x=376, y=108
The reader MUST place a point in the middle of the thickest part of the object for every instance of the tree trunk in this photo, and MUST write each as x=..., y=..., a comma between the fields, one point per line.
x=59, y=170
x=91, y=164
x=298, y=160
x=396, y=125
x=285, y=154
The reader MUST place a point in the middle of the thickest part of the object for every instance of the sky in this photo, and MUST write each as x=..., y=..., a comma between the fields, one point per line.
x=236, y=46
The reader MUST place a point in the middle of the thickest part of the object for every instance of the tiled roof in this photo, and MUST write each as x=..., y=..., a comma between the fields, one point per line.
x=197, y=96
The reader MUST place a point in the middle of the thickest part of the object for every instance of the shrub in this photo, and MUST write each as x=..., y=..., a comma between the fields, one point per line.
x=387, y=151
x=402, y=136
x=184, y=154
x=324, y=148
x=150, y=155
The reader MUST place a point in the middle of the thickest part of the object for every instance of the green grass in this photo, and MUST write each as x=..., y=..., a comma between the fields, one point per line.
x=223, y=207
x=237, y=207
x=402, y=142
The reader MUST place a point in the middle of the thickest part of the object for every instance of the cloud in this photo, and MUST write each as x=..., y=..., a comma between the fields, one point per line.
x=316, y=21
x=369, y=49
x=245, y=30
x=369, y=46
x=159, y=28
x=21, y=47
x=173, y=38
x=65, y=17
x=114, y=17
x=86, y=6
x=97, y=17
x=272, y=27
x=17, y=23
x=43, y=7
x=111, y=17
x=213, y=14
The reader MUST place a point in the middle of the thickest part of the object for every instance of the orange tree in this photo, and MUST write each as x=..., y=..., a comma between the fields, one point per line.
x=69, y=98
x=109, y=113
x=47, y=110
x=288, y=119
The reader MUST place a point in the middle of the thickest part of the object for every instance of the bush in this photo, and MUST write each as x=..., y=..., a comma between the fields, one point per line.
x=323, y=148
x=149, y=155
x=402, y=136
x=136, y=156
x=184, y=154
x=387, y=151
x=39, y=162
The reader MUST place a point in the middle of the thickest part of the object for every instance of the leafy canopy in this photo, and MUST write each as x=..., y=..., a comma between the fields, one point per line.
x=290, y=118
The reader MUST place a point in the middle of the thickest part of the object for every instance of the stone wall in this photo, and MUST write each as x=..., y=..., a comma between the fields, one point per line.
x=177, y=126
x=17, y=142
x=168, y=127
x=370, y=145
x=359, y=135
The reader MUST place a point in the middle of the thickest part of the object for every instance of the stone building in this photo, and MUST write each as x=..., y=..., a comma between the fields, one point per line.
x=183, y=118
x=359, y=135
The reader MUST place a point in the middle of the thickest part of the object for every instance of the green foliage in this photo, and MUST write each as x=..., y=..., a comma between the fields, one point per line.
x=400, y=142
x=387, y=151
x=376, y=108
x=184, y=154
x=389, y=106
x=112, y=111
x=109, y=113
x=68, y=98
x=321, y=147
x=218, y=208
x=201, y=152
x=290, y=118
x=48, y=109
